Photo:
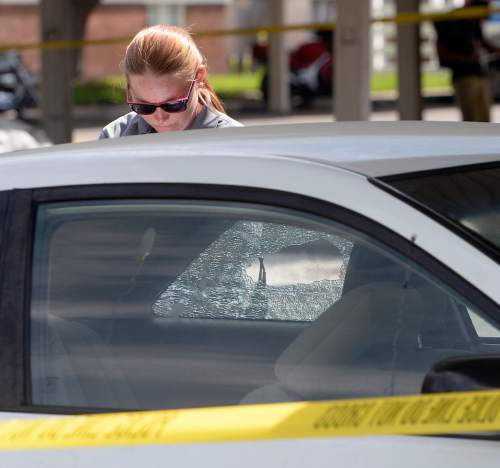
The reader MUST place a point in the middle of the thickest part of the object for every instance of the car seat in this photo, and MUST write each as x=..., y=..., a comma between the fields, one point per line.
x=354, y=348
x=78, y=370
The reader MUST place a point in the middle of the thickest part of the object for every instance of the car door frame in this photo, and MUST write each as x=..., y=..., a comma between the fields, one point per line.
x=19, y=233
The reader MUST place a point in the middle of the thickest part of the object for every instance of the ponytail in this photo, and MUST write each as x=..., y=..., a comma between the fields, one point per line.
x=208, y=97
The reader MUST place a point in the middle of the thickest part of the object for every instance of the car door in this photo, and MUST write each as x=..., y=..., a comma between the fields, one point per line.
x=168, y=296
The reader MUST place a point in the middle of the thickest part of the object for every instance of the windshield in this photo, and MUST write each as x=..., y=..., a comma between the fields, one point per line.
x=469, y=197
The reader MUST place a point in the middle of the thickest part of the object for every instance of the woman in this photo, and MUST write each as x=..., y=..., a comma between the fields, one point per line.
x=167, y=86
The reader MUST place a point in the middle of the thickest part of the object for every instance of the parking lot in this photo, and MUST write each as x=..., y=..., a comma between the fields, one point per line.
x=88, y=120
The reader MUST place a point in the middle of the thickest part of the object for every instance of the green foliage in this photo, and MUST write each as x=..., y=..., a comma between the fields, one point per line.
x=110, y=90
x=236, y=85
x=440, y=80
x=387, y=81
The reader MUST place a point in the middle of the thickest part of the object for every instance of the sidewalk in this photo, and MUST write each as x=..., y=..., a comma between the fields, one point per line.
x=89, y=121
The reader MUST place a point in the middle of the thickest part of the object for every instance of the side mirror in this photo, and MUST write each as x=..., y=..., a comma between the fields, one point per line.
x=464, y=373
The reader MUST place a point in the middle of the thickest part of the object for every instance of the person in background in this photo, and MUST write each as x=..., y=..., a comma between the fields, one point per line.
x=167, y=87
x=462, y=48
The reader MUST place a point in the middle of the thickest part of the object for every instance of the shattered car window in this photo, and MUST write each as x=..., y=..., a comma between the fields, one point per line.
x=258, y=270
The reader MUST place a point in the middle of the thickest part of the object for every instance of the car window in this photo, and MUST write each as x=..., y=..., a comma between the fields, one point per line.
x=140, y=304
x=468, y=196
x=482, y=327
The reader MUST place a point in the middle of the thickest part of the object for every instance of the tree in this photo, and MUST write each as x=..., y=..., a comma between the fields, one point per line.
x=61, y=20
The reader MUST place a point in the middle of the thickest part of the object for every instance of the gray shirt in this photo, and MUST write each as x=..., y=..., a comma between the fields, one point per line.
x=134, y=124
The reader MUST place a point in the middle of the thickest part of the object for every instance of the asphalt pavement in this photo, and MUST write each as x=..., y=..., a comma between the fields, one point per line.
x=90, y=120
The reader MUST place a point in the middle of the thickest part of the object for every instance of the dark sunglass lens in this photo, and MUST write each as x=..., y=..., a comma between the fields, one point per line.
x=143, y=109
x=174, y=107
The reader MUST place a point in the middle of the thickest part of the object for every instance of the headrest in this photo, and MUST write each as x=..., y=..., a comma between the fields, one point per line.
x=353, y=343
x=367, y=264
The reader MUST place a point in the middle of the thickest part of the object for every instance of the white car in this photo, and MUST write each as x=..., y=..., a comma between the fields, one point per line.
x=17, y=135
x=249, y=265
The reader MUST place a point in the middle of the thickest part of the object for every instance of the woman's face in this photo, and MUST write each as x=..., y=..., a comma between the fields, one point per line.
x=150, y=89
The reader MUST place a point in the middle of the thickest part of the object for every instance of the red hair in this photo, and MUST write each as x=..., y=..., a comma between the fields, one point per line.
x=166, y=49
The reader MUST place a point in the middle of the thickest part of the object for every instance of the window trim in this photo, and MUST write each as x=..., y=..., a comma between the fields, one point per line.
x=14, y=300
x=4, y=199
x=15, y=390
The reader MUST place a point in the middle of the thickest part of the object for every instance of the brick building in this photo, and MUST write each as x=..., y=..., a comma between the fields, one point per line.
x=19, y=24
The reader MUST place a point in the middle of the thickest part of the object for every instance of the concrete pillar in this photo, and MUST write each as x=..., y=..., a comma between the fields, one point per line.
x=409, y=76
x=278, y=83
x=57, y=71
x=297, y=11
x=352, y=67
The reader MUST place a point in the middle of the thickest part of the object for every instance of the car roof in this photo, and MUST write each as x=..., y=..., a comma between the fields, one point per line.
x=373, y=149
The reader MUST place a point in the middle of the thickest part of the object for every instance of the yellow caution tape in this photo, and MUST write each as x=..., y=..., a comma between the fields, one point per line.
x=460, y=13
x=402, y=18
x=65, y=44
x=76, y=44
x=466, y=412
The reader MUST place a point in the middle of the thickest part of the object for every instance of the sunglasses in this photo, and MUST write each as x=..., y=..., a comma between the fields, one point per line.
x=172, y=107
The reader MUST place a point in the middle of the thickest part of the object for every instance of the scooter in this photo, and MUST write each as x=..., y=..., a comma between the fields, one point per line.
x=311, y=72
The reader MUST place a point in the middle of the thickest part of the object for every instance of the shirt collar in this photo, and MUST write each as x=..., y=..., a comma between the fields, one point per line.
x=203, y=119
x=144, y=127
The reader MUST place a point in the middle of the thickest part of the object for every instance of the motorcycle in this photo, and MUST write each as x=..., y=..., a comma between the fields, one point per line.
x=18, y=89
x=310, y=67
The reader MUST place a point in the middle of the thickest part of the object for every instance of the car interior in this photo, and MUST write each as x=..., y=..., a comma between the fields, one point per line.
x=97, y=343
